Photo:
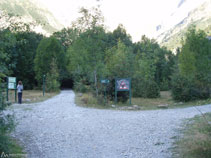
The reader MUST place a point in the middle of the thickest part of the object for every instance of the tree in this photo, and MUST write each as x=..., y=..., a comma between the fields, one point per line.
x=119, y=64
x=89, y=19
x=86, y=56
x=194, y=67
x=66, y=36
x=26, y=45
x=120, y=33
x=52, y=78
x=8, y=54
x=119, y=61
x=48, y=50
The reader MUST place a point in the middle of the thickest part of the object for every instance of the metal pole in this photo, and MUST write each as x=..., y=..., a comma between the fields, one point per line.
x=7, y=89
x=43, y=85
x=15, y=94
x=106, y=94
x=130, y=91
x=115, y=92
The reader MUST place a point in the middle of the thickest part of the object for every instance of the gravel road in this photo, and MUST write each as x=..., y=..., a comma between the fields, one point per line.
x=57, y=128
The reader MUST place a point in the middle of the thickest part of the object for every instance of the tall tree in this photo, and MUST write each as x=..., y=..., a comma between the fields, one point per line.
x=194, y=59
x=48, y=50
x=193, y=80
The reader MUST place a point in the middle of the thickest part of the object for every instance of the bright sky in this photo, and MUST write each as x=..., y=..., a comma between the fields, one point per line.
x=138, y=16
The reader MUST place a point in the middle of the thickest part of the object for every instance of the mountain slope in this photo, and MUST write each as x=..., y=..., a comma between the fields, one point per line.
x=32, y=11
x=200, y=17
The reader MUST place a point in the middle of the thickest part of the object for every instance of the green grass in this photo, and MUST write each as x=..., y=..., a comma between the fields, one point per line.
x=32, y=96
x=88, y=100
x=195, y=140
x=15, y=150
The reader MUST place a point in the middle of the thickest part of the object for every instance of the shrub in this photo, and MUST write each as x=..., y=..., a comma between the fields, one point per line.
x=52, y=83
x=151, y=90
x=145, y=88
x=184, y=89
x=164, y=85
x=6, y=126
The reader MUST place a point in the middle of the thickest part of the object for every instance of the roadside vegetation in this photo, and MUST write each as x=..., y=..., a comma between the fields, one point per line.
x=195, y=141
x=87, y=52
x=165, y=101
x=7, y=144
x=32, y=96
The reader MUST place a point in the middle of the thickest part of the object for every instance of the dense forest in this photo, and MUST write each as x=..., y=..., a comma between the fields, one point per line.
x=79, y=56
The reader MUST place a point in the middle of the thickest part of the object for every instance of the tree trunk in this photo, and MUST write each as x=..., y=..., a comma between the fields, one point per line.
x=96, y=88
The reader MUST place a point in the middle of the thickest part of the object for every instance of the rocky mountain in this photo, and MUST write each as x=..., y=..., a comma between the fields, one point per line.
x=200, y=16
x=32, y=11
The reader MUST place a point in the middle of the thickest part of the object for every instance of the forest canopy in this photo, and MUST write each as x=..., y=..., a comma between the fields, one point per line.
x=86, y=52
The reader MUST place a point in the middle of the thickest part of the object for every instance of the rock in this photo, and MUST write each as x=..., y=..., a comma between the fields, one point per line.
x=113, y=106
x=27, y=100
x=8, y=103
x=136, y=106
x=130, y=108
x=80, y=94
x=163, y=106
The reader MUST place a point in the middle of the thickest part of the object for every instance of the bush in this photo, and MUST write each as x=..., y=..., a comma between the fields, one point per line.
x=6, y=126
x=184, y=89
x=151, y=90
x=164, y=85
x=52, y=83
x=145, y=88
x=81, y=87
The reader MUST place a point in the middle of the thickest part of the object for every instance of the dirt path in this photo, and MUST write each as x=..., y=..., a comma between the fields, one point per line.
x=57, y=128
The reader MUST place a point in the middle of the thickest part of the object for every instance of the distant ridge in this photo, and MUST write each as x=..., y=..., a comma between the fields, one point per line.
x=31, y=11
x=200, y=17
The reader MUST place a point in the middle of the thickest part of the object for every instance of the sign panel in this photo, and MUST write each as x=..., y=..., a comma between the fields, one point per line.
x=123, y=84
x=11, y=86
x=11, y=82
x=12, y=79
x=104, y=81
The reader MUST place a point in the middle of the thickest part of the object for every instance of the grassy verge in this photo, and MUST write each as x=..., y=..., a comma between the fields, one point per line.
x=8, y=146
x=165, y=101
x=195, y=141
x=32, y=96
x=15, y=150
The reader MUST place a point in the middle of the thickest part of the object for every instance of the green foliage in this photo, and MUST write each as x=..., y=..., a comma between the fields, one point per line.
x=193, y=80
x=6, y=122
x=120, y=33
x=25, y=49
x=194, y=59
x=86, y=56
x=52, y=78
x=119, y=64
x=7, y=52
x=119, y=61
x=82, y=87
x=48, y=50
x=184, y=89
x=66, y=36
x=89, y=19
x=145, y=88
x=6, y=126
x=17, y=51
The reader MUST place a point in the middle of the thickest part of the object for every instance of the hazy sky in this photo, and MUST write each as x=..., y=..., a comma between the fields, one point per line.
x=138, y=16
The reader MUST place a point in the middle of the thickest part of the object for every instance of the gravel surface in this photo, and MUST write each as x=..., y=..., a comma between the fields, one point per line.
x=57, y=128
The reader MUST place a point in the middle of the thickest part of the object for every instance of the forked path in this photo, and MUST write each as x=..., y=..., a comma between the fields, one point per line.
x=57, y=128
